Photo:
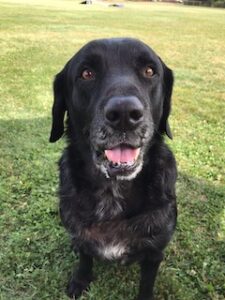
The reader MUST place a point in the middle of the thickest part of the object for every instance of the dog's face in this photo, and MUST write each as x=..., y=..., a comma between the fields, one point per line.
x=117, y=94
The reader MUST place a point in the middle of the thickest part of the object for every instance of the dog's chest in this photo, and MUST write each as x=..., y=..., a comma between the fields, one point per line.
x=110, y=204
x=113, y=203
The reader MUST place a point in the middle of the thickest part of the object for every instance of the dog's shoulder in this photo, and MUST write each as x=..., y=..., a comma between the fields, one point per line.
x=159, y=161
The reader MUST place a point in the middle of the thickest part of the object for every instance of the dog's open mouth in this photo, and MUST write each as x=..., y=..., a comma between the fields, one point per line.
x=122, y=155
x=121, y=160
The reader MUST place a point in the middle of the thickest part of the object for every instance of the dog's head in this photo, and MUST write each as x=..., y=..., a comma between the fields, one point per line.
x=117, y=95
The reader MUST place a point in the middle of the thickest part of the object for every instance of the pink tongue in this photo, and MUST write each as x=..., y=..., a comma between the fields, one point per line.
x=122, y=154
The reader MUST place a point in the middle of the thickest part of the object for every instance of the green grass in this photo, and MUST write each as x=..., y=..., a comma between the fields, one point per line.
x=37, y=38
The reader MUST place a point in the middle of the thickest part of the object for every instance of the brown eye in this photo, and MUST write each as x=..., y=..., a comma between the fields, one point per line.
x=88, y=75
x=149, y=72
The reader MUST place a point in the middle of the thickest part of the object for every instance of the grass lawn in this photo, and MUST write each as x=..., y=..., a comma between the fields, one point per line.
x=37, y=38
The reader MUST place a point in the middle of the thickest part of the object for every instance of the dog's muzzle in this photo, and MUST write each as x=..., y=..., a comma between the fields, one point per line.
x=121, y=157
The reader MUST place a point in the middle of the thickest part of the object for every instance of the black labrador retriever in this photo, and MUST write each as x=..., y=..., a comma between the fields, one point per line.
x=117, y=176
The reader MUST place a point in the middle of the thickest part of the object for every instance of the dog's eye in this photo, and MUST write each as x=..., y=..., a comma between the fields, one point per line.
x=149, y=72
x=88, y=74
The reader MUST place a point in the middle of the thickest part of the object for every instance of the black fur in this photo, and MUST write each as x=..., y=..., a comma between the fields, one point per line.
x=115, y=213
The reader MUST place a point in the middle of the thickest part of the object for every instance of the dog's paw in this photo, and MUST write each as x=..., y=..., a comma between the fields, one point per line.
x=76, y=287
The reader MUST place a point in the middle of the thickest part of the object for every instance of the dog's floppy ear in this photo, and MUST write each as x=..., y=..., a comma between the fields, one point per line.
x=59, y=107
x=168, y=88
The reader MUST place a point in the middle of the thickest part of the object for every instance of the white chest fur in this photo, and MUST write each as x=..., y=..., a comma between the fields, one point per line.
x=112, y=251
x=110, y=205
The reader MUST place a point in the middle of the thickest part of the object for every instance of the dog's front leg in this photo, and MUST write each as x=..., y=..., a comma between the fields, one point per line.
x=149, y=270
x=81, y=277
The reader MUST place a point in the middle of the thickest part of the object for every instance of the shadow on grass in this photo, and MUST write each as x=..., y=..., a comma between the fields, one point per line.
x=35, y=252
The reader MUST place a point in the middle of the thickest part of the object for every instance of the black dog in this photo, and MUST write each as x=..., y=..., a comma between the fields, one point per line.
x=117, y=176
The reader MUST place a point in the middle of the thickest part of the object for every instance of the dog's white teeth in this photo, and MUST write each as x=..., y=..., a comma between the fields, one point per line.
x=119, y=164
x=130, y=163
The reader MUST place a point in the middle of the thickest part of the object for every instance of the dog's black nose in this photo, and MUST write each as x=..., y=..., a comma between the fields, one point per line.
x=124, y=112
